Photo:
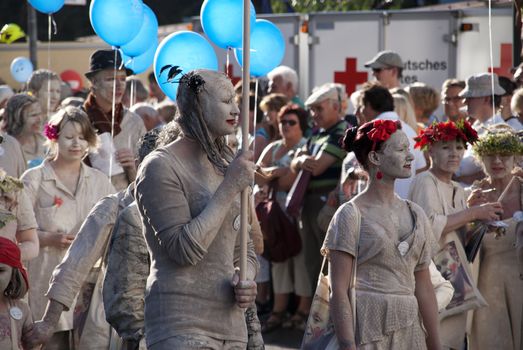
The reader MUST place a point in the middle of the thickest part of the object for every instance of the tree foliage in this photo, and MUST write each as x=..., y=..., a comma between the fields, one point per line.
x=307, y=6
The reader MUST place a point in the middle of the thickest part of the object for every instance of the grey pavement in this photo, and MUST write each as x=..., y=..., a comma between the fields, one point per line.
x=283, y=339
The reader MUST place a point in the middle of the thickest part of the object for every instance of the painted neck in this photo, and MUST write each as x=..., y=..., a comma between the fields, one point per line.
x=441, y=175
x=380, y=190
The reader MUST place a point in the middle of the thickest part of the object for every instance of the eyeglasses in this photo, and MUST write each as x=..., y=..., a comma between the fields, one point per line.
x=288, y=122
x=454, y=99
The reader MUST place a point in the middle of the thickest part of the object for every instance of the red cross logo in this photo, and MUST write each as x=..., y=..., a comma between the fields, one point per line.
x=229, y=70
x=505, y=61
x=350, y=77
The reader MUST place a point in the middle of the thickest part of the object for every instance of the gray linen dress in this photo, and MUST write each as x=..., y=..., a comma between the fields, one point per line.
x=387, y=313
x=189, y=286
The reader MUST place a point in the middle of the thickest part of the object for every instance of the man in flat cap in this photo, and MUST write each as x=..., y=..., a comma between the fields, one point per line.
x=323, y=157
x=481, y=102
x=387, y=68
x=118, y=132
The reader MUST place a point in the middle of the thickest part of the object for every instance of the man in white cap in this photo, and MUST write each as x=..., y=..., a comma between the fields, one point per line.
x=482, y=98
x=387, y=68
x=323, y=158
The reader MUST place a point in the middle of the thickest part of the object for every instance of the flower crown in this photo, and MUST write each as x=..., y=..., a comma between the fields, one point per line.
x=8, y=183
x=51, y=132
x=445, y=131
x=381, y=131
x=499, y=139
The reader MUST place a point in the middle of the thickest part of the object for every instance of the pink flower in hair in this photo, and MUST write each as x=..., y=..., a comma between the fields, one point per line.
x=51, y=132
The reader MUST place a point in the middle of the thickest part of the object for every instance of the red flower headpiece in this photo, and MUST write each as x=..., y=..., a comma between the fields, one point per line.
x=51, y=132
x=381, y=131
x=445, y=131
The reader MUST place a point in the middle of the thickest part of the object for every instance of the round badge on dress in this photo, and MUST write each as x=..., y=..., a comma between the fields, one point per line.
x=403, y=248
x=518, y=216
x=16, y=313
x=236, y=223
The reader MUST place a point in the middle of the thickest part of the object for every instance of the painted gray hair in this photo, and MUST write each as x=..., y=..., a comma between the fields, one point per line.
x=39, y=77
x=14, y=112
x=192, y=123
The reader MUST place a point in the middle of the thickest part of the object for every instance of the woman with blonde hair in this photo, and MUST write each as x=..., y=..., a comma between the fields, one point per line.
x=62, y=190
x=403, y=107
x=425, y=100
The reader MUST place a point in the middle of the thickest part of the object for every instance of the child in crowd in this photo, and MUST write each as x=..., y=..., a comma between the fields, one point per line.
x=15, y=317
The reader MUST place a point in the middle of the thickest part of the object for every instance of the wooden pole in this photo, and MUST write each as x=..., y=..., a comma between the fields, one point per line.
x=32, y=35
x=245, y=134
x=505, y=191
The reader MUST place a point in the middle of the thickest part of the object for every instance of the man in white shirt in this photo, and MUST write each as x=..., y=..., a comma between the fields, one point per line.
x=378, y=103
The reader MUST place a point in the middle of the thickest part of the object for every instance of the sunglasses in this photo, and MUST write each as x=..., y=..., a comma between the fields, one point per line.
x=378, y=70
x=288, y=122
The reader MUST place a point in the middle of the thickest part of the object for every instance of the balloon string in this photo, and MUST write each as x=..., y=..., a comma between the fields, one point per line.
x=227, y=62
x=49, y=21
x=55, y=27
x=491, y=56
x=122, y=65
x=113, y=115
x=133, y=87
x=255, y=115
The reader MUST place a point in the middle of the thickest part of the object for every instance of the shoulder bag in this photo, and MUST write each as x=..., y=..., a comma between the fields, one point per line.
x=319, y=331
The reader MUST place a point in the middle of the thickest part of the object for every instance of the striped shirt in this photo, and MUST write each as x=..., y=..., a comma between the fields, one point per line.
x=328, y=141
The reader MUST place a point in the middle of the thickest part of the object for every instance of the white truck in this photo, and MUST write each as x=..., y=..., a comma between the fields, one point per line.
x=434, y=44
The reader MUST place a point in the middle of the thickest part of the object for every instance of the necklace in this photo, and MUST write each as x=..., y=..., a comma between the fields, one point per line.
x=392, y=224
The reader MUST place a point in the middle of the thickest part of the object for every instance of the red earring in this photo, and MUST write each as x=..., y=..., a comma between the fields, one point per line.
x=379, y=175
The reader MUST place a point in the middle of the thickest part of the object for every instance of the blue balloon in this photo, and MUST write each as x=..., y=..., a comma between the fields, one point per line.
x=267, y=48
x=146, y=36
x=222, y=21
x=140, y=64
x=21, y=69
x=188, y=51
x=117, y=22
x=47, y=6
